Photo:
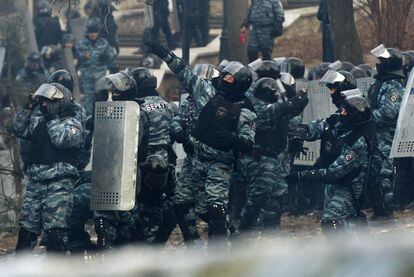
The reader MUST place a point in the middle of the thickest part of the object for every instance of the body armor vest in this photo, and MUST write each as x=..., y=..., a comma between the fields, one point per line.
x=218, y=113
x=44, y=152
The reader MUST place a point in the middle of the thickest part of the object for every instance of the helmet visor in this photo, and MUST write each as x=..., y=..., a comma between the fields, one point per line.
x=381, y=52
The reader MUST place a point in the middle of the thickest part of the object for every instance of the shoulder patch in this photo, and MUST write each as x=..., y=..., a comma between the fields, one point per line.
x=350, y=156
x=394, y=98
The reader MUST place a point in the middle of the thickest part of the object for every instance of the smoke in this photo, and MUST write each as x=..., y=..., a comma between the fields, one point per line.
x=370, y=255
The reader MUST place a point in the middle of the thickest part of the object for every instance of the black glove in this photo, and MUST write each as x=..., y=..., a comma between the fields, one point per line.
x=296, y=145
x=300, y=101
x=188, y=148
x=311, y=176
x=180, y=136
x=306, y=176
x=59, y=109
x=154, y=46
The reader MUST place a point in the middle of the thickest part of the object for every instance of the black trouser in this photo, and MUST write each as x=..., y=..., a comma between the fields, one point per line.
x=403, y=181
x=203, y=20
x=254, y=55
x=161, y=21
x=327, y=47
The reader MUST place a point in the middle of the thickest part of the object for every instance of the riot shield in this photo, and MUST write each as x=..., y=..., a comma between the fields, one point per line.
x=319, y=106
x=115, y=155
x=363, y=84
x=403, y=144
x=301, y=84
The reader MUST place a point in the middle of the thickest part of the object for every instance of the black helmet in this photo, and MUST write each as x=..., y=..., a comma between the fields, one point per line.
x=340, y=81
x=222, y=65
x=347, y=66
x=289, y=84
x=367, y=68
x=408, y=62
x=206, y=71
x=319, y=71
x=356, y=106
x=267, y=89
x=145, y=80
x=358, y=73
x=34, y=56
x=242, y=81
x=155, y=171
x=294, y=66
x=102, y=90
x=122, y=86
x=390, y=61
x=62, y=77
x=266, y=69
x=93, y=25
x=43, y=7
x=58, y=97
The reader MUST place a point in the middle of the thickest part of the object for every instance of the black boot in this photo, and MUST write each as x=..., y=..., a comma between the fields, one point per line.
x=271, y=221
x=217, y=223
x=167, y=225
x=331, y=228
x=188, y=226
x=57, y=241
x=26, y=241
x=105, y=232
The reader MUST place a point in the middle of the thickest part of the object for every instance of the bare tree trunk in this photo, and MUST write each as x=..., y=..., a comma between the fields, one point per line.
x=346, y=43
x=234, y=13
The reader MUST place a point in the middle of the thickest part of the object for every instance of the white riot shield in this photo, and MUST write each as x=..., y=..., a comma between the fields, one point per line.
x=301, y=84
x=319, y=106
x=403, y=144
x=363, y=84
x=115, y=155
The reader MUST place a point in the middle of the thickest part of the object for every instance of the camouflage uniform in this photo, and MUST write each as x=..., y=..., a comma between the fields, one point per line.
x=211, y=168
x=48, y=200
x=266, y=168
x=92, y=68
x=262, y=17
x=184, y=121
x=152, y=205
x=346, y=175
x=385, y=98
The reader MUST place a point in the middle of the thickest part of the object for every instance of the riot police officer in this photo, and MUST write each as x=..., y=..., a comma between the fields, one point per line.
x=56, y=138
x=224, y=127
x=347, y=138
x=385, y=96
